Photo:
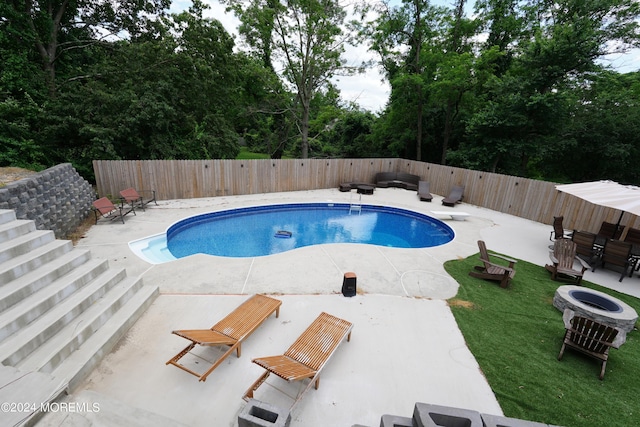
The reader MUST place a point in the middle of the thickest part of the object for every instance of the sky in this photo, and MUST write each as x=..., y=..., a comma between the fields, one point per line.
x=370, y=90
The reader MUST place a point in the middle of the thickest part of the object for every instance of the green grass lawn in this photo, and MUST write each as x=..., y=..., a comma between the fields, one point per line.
x=245, y=154
x=515, y=335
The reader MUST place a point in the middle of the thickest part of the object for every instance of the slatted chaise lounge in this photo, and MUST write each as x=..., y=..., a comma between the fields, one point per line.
x=307, y=355
x=230, y=331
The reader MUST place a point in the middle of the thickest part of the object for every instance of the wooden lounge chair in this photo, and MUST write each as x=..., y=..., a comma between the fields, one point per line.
x=307, y=355
x=103, y=207
x=615, y=254
x=423, y=191
x=230, y=331
x=455, y=196
x=591, y=338
x=492, y=271
x=133, y=197
x=563, y=259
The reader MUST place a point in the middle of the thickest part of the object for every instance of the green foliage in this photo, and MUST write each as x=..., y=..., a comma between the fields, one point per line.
x=306, y=36
x=245, y=154
x=133, y=82
x=515, y=335
x=17, y=121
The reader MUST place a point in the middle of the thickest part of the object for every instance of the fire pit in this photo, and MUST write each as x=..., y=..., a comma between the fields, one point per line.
x=596, y=305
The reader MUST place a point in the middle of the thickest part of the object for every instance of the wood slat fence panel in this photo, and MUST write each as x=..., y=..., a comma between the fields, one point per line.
x=183, y=179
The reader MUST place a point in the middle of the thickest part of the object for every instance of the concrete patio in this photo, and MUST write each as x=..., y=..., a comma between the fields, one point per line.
x=405, y=346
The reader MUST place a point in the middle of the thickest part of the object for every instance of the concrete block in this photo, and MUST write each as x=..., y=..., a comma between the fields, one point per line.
x=395, y=421
x=498, y=421
x=262, y=414
x=427, y=415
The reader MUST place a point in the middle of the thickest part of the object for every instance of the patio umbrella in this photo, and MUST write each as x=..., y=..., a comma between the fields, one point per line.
x=625, y=198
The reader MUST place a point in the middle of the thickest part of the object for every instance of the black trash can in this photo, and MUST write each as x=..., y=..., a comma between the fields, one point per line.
x=349, y=284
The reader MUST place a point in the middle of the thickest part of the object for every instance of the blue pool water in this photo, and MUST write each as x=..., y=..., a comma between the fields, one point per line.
x=251, y=232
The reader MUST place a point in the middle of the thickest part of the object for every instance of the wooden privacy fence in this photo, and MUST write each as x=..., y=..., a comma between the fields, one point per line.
x=184, y=179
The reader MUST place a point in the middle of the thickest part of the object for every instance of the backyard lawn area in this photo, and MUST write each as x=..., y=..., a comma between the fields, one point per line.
x=516, y=334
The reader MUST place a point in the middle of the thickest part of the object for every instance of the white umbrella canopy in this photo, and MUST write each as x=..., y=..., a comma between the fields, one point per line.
x=606, y=193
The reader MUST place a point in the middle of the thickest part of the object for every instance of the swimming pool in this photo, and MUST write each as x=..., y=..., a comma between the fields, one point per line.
x=272, y=229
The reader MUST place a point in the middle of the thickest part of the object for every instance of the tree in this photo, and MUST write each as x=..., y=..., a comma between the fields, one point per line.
x=305, y=37
x=602, y=135
x=174, y=97
x=399, y=34
x=57, y=27
x=548, y=45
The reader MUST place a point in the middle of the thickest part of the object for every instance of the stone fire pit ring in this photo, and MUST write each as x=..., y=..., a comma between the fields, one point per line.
x=596, y=305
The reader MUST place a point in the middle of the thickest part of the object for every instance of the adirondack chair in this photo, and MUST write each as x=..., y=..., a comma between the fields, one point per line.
x=563, y=259
x=492, y=271
x=590, y=337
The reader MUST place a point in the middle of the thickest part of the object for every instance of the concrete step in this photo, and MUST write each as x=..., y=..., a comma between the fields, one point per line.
x=12, y=229
x=32, y=306
x=24, y=243
x=77, y=366
x=18, y=346
x=30, y=389
x=22, y=264
x=60, y=311
x=48, y=356
x=14, y=291
x=7, y=215
x=104, y=411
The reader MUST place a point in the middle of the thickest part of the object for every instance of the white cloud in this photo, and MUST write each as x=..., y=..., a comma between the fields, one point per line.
x=624, y=62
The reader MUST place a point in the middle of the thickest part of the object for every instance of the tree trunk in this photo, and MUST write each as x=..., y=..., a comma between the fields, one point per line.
x=446, y=135
x=419, y=130
x=304, y=129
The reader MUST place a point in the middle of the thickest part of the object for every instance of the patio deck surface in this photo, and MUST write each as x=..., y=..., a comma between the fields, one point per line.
x=405, y=346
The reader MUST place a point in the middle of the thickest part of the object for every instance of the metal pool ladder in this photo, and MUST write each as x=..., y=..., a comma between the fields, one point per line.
x=353, y=207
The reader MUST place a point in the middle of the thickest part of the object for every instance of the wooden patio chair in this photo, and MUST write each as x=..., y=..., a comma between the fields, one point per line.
x=133, y=197
x=230, y=331
x=103, y=207
x=616, y=254
x=455, y=196
x=586, y=246
x=633, y=237
x=307, y=355
x=563, y=259
x=493, y=271
x=591, y=338
x=608, y=230
x=423, y=191
x=558, y=231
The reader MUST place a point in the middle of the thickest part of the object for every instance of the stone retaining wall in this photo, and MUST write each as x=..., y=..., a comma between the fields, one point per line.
x=57, y=199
